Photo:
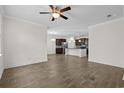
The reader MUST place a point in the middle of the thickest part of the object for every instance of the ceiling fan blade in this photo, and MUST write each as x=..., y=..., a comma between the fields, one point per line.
x=51, y=6
x=53, y=19
x=45, y=12
x=65, y=9
x=63, y=16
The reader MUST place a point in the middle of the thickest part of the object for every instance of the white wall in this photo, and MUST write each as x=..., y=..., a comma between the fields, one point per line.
x=123, y=9
x=68, y=32
x=51, y=44
x=24, y=42
x=1, y=46
x=106, y=43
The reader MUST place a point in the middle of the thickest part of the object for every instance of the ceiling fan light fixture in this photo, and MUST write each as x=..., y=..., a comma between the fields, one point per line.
x=55, y=15
x=57, y=12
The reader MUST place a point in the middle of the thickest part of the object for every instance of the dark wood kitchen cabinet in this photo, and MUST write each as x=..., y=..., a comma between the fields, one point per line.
x=59, y=46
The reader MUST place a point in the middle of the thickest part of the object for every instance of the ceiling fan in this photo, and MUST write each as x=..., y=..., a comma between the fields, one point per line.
x=57, y=12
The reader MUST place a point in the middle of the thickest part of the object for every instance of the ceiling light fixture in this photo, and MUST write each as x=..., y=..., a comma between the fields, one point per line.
x=55, y=15
x=56, y=12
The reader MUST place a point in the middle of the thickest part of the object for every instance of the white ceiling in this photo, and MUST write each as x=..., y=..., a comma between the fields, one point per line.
x=80, y=16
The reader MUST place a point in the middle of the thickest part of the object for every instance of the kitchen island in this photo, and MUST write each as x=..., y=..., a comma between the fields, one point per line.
x=80, y=52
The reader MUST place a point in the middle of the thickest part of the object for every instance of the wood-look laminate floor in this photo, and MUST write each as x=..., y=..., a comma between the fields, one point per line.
x=63, y=71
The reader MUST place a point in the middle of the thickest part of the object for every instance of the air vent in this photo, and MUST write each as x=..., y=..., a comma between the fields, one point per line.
x=109, y=15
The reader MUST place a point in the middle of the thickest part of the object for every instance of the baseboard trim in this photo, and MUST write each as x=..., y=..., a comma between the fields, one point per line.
x=105, y=63
x=98, y=62
x=20, y=65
